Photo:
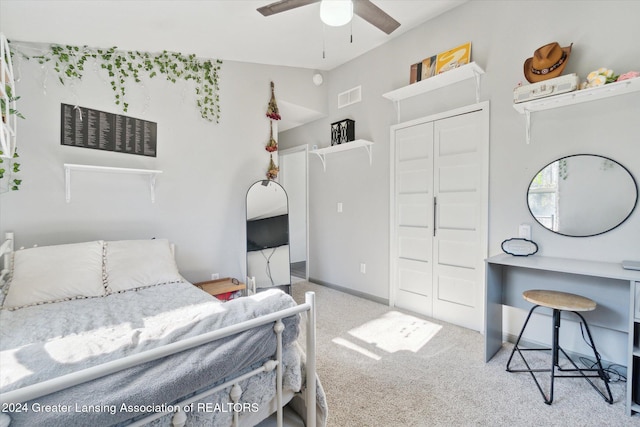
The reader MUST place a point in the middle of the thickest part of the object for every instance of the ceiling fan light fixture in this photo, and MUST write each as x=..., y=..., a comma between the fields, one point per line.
x=336, y=13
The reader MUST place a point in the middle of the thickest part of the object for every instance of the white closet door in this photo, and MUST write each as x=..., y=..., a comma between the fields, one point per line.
x=440, y=164
x=413, y=218
x=460, y=244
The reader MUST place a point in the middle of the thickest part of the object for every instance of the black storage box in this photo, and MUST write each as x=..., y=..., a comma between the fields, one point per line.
x=636, y=387
x=343, y=131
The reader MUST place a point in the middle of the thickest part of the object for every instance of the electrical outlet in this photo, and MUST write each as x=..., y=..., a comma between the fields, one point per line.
x=524, y=231
x=363, y=268
x=215, y=276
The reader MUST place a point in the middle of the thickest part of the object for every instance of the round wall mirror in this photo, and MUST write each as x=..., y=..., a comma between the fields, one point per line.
x=582, y=195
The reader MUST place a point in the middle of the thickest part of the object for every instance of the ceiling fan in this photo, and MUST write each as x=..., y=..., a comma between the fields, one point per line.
x=363, y=8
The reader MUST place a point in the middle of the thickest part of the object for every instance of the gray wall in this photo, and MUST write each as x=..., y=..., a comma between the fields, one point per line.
x=207, y=167
x=503, y=34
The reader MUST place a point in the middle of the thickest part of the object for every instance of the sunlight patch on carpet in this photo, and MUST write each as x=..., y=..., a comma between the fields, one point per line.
x=394, y=331
x=355, y=347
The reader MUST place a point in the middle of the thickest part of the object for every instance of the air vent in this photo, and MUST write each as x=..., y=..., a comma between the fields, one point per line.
x=350, y=96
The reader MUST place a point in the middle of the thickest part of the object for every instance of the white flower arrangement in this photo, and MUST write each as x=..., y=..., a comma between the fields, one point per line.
x=599, y=77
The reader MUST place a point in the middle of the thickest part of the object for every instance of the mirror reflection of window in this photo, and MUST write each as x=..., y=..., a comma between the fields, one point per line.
x=543, y=196
x=582, y=195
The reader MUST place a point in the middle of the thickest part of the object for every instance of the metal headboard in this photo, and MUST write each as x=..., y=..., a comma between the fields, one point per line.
x=5, y=252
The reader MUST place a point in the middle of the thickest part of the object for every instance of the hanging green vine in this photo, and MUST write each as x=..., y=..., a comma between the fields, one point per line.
x=70, y=63
x=13, y=183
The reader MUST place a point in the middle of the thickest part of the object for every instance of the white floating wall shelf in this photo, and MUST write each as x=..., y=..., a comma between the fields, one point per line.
x=464, y=72
x=68, y=167
x=358, y=143
x=575, y=97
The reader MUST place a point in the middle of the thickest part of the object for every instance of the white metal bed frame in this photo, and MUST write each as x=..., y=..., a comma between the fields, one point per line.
x=44, y=388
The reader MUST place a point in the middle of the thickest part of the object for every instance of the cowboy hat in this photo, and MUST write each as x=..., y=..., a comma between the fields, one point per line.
x=547, y=62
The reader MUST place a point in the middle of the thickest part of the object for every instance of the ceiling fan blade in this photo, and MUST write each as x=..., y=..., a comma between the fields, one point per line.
x=375, y=16
x=283, y=5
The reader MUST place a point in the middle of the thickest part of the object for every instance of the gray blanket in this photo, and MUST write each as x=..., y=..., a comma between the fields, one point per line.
x=43, y=342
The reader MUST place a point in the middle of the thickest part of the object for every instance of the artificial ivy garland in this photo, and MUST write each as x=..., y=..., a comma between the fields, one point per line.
x=14, y=167
x=70, y=62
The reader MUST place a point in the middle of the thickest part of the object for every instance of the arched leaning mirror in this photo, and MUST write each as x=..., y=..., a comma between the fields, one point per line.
x=268, y=236
x=582, y=195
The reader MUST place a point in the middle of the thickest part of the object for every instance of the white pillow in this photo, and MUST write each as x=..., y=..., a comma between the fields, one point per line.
x=133, y=264
x=55, y=273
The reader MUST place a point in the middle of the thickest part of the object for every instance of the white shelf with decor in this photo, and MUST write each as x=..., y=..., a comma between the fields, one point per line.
x=8, y=125
x=576, y=97
x=464, y=72
x=68, y=167
x=358, y=143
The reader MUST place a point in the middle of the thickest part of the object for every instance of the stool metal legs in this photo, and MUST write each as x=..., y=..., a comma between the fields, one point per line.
x=555, y=350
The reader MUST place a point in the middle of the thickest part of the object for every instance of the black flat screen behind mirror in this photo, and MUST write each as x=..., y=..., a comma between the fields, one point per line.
x=267, y=233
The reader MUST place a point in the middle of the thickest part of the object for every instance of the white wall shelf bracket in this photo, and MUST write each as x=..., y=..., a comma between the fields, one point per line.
x=152, y=186
x=322, y=152
x=396, y=103
x=527, y=121
x=68, y=167
x=323, y=159
x=477, y=74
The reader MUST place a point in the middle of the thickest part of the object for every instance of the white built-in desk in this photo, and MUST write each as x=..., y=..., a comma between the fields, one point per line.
x=614, y=289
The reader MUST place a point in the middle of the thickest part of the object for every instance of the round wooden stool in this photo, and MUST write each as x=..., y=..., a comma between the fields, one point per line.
x=558, y=302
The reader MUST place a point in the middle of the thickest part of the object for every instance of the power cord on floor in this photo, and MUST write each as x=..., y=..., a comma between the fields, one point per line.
x=612, y=374
x=268, y=266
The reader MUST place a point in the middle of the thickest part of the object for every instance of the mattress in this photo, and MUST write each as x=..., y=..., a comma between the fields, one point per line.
x=45, y=341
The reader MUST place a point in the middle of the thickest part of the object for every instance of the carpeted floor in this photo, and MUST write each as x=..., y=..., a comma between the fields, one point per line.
x=380, y=366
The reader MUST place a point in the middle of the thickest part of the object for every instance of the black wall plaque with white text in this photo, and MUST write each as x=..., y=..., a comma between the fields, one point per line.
x=87, y=128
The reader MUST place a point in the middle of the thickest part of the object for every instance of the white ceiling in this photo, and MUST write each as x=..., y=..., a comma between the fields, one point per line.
x=223, y=29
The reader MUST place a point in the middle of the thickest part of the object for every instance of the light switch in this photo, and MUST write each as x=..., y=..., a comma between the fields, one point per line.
x=524, y=231
x=339, y=207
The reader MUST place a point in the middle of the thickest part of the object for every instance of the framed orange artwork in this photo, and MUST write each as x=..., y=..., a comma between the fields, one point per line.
x=453, y=58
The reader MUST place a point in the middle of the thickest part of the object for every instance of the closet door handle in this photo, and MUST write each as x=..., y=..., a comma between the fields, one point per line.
x=435, y=209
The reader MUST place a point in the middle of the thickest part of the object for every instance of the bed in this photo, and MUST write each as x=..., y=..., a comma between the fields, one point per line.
x=109, y=333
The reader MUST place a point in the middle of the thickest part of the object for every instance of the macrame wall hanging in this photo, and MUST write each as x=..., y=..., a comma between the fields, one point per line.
x=272, y=145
